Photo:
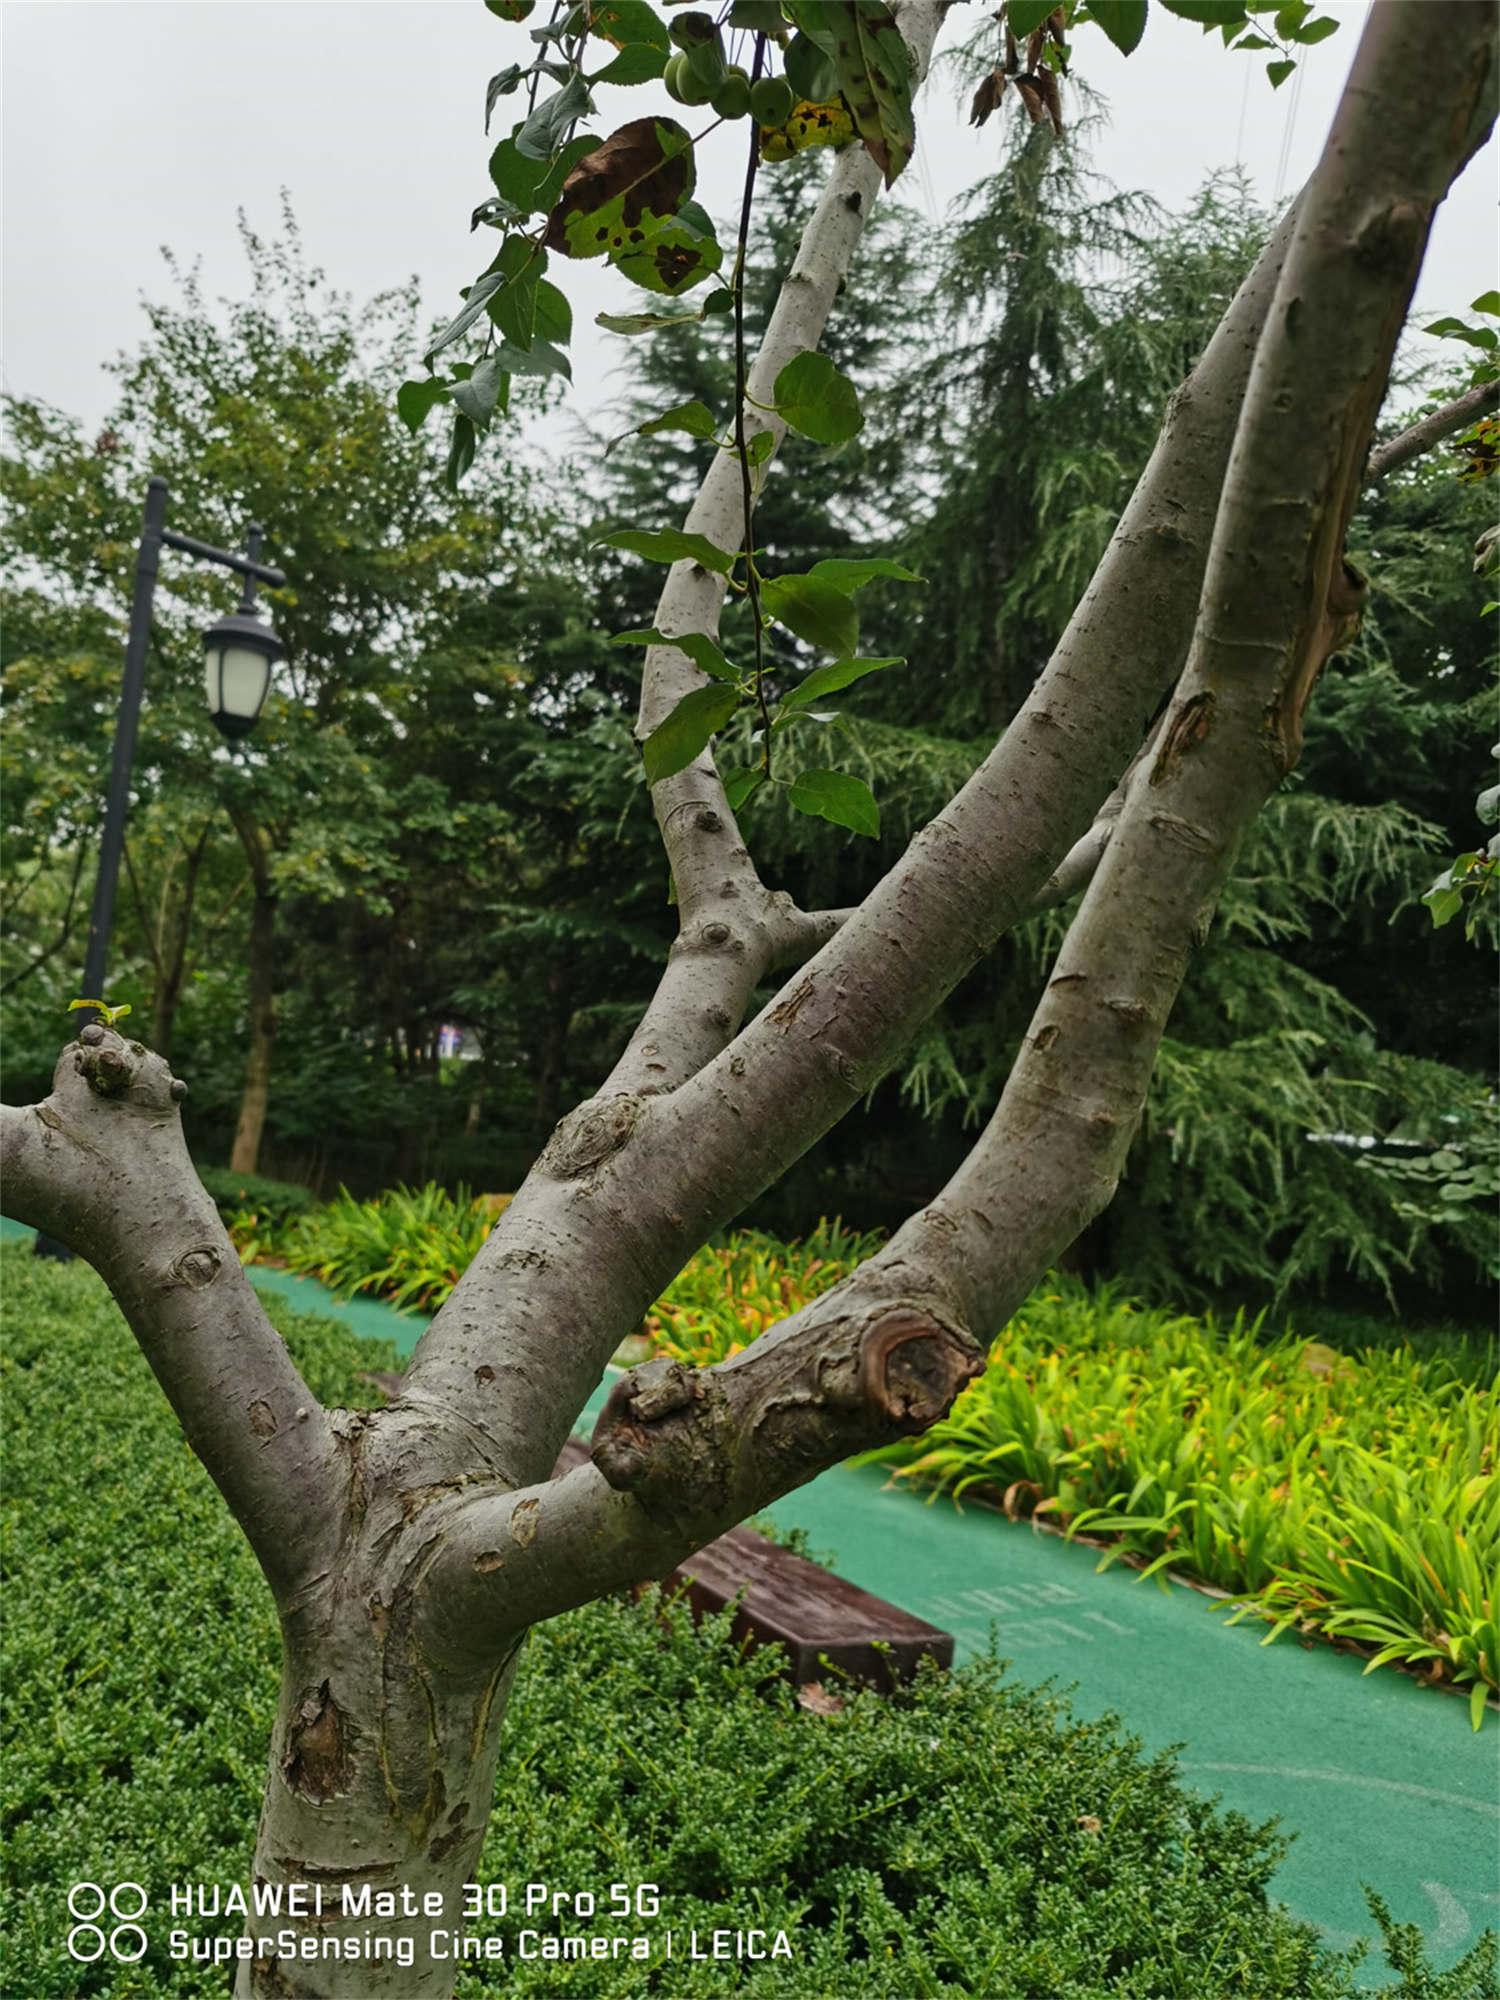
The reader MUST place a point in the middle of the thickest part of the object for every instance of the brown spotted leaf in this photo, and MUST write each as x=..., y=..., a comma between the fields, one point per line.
x=641, y=174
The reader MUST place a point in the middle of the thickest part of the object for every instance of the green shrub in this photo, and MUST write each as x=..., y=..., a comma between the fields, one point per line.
x=275, y=1204
x=940, y=1846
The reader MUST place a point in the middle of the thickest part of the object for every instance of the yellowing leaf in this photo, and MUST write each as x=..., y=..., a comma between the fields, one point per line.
x=809, y=125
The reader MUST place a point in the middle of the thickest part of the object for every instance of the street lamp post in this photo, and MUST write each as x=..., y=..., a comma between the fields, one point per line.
x=239, y=653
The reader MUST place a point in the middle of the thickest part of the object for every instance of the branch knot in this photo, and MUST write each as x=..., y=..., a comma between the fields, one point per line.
x=588, y=1136
x=911, y=1368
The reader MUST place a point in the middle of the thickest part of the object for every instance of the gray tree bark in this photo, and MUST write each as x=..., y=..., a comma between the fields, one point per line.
x=410, y=1549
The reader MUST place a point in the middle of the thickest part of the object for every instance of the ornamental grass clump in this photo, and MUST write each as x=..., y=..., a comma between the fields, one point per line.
x=409, y=1245
x=731, y=1292
x=1356, y=1496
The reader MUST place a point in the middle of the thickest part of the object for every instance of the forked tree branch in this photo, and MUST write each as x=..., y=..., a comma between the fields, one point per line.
x=679, y=1453
x=630, y=1186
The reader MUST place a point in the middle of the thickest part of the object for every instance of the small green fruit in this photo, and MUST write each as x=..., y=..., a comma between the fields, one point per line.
x=771, y=101
x=673, y=75
x=692, y=86
x=732, y=98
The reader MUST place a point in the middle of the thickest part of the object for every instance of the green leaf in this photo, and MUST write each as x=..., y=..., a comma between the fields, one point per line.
x=414, y=400
x=836, y=796
x=851, y=573
x=756, y=17
x=1456, y=329
x=1208, y=13
x=1124, y=21
x=554, y=313
x=510, y=10
x=632, y=323
x=1278, y=72
x=629, y=23
x=500, y=85
x=670, y=545
x=542, y=134
x=1487, y=302
x=814, y=610
x=1023, y=15
x=513, y=307
x=1317, y=31
x=478, y=297
x=816, y=399
x=637, y=64
x=460, y=452
x=739, y=785
x=697, y=419
x=874, y=71
x=760, y=446
x=810, y=71
x=1444, y=905
x=673, y=744
x=699, y=648
x=828, y=680
x=816, y=19
x=478, y=396
x=528, y=184
x=541, y=358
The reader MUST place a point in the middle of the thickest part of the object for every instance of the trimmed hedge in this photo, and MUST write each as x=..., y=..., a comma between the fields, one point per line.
x=939, y=1846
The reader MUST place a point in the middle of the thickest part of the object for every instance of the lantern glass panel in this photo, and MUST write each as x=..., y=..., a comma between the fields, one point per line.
x=236, y=678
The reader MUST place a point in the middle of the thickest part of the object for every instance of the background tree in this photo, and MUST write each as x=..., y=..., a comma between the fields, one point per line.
x=277, y=407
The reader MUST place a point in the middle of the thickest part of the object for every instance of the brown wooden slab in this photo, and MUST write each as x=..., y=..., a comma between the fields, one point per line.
x=820, y=1620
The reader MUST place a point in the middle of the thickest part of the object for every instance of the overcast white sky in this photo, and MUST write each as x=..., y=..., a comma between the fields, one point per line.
x=128, y=125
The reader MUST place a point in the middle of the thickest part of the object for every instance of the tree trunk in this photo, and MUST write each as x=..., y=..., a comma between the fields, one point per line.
x=379, y=1789
x=246, y=1154
x=172, y=957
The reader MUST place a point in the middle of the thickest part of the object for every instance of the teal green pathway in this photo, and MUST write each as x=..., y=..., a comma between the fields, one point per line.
x=1383, y=1780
